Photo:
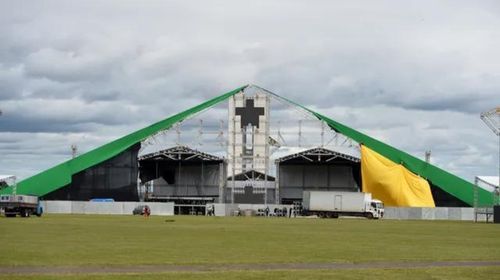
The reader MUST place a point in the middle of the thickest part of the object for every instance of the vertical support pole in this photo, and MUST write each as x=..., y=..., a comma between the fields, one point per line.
x=179, y=178
x=277, y=183
x=200, y=134
x=300, y=133
x=428, y=156
x=178, y=131
x=221, y=182
x=74, y=150
x=280, y=138
x=221, y=133
x=476, y=181
x=266, y=147
x=202, y=187
x=322, y=134
x=234, y=149
x=497, y=189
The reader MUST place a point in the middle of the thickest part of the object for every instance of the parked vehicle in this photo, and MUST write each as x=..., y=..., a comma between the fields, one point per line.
x=327, y=204
x=141, y=210
x=22, y=205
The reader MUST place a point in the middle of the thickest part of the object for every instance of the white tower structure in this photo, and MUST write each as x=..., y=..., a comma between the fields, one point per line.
x=248, y=131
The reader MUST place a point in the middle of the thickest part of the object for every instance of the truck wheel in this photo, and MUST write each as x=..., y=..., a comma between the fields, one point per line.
x=10, y=215
x=332, y=215
x=369, y=216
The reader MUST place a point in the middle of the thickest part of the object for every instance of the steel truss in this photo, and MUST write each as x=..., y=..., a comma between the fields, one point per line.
x=280, y=133
x=319, y=155
x=181, y=153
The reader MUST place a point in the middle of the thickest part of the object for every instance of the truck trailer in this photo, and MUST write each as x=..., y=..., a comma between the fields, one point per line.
x=327, y=204
x=22, y=205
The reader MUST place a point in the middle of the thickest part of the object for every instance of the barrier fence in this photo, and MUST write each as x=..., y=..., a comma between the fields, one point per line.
x=111, y=208
x=222, y=209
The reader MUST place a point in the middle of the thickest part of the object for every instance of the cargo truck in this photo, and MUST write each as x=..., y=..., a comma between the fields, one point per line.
x=328, y=204
x=22, y=205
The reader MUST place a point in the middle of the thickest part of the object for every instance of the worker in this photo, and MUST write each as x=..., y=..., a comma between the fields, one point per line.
x=211, y=210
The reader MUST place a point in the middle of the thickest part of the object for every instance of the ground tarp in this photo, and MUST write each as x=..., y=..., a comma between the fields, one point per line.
x=393, y=183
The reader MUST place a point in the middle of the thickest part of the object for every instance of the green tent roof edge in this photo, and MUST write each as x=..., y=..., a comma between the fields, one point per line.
x=61, y=174
x=442, y=179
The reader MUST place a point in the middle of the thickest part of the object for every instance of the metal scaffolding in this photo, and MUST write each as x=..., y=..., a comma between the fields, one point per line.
x=492, y=119
x=185, y=176
x=252, y=147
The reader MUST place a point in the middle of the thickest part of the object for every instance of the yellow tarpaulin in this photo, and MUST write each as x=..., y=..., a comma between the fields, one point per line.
x=392, y=183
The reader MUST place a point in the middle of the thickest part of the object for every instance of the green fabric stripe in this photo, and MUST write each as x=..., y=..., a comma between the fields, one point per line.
x=61, y=174
x=442, y=179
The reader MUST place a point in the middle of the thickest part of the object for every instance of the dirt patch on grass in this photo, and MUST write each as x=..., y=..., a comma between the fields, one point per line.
x=26, y=270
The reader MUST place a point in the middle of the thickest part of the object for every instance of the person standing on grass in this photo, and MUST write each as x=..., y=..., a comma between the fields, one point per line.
x=211, y=210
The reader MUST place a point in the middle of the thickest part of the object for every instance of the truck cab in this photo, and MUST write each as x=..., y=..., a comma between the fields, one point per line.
x=376, y=208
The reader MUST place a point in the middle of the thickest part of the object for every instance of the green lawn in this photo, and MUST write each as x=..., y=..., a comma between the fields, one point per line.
x=83, y=240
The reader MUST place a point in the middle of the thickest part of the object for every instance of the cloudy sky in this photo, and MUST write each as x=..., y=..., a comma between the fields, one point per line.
x=415, y=74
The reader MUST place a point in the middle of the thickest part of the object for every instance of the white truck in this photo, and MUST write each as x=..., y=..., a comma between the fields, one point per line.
x=328, y=204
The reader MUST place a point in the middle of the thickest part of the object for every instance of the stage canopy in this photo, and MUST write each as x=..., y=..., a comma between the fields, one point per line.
x=61, y=175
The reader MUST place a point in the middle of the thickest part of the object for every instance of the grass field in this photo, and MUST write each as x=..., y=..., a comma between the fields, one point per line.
x=84, y=240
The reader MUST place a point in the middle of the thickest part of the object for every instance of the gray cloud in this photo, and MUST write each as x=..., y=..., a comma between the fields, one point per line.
x=105, y=69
